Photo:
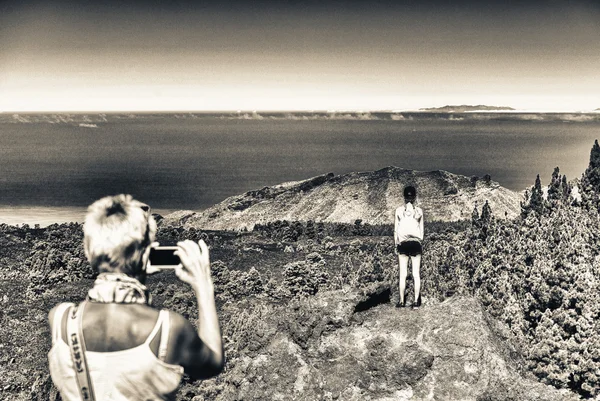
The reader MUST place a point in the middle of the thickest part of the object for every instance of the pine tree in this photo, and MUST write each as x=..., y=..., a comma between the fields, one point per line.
x=310, y=231
x=486, y=214
x=537, y=196
x=566, y=189
x=525, y=204
x=590, y=181
x=475, y=217
x=358, y=228
x=554, y=191
x=320, y=231
x=535, y=200
x=485, y=221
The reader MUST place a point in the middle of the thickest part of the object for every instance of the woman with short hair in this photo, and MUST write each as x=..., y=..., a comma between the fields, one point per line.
x=115, y=345
x=408, y=235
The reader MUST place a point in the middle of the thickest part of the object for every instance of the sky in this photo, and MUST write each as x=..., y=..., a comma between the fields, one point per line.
x=228, y=55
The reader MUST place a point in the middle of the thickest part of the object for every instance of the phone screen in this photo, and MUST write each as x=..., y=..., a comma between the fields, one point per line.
x=163, y=257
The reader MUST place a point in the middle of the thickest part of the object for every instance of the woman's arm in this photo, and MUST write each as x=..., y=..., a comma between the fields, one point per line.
x=201, y=352
x=396, y=221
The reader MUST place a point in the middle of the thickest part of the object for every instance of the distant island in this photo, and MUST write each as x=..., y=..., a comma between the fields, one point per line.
x=466, y=108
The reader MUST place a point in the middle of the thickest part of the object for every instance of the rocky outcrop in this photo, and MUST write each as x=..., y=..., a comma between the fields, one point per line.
x=369, y=196
x=357, y=346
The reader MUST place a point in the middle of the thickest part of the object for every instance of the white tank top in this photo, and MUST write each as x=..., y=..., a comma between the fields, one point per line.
x=408, y=224
x=126, y=375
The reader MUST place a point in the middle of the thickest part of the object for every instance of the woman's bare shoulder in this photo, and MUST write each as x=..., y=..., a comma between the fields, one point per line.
x=180, y=325
x=53, y=311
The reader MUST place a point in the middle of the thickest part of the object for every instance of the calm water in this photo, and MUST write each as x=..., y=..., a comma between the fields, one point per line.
x=50, y=172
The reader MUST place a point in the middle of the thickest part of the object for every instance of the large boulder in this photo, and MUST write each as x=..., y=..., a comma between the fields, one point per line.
x=357, y=346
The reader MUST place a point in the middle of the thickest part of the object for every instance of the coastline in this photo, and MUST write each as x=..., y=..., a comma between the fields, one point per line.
x=47, y=215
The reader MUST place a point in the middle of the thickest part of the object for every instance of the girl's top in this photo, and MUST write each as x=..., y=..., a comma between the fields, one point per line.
x=126, y=375
x=408, y=224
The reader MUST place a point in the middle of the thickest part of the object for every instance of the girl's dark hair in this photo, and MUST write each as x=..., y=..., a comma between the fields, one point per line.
x=410, y=192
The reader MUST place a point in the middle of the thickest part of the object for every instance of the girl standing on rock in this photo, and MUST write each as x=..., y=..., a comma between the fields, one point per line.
x=408, y=235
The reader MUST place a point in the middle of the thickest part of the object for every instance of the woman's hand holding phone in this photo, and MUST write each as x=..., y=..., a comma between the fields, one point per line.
x=195, y=270
x=195, y=264
x=150, y=268
x=162, y=258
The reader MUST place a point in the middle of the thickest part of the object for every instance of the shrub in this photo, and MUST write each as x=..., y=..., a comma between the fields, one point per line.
x=304, y=277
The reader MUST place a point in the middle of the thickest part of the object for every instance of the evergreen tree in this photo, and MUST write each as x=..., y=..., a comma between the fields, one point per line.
x=525, y=204
x=320, y=231
x=298, y=228
x=475, y=217
x=554, y=190
x=590, y=181
x=566, y=189
x=310, y=230
x=485, y=221
x=537, y=196
x=358, y=228
x=486, y=214
x=535, y=201
x=289, y=233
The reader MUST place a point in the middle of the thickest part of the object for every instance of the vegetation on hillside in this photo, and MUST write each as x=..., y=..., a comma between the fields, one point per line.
x=537, y=274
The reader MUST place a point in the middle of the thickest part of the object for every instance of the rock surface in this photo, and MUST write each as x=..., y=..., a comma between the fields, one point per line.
x=351, y=346
x=369, y=196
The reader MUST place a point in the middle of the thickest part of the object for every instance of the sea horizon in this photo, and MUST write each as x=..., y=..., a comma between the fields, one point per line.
x=48, y=215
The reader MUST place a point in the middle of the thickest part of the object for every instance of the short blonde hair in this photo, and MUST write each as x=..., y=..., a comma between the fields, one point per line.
x=117, y=231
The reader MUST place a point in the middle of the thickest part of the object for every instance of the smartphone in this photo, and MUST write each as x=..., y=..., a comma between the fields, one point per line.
x=163, y=257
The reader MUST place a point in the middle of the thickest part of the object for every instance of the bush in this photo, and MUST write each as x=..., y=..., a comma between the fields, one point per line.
x=304, y=277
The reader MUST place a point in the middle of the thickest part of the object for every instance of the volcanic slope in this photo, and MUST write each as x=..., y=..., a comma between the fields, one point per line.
x=369, y=196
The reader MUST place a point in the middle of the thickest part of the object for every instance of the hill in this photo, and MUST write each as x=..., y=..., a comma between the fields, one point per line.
x=465, y=108
x=369, y=196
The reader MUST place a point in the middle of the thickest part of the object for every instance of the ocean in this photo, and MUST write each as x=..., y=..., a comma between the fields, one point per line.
x=50, y=171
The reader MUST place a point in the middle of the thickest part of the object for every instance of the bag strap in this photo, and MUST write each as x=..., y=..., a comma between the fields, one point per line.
x=164, y=335
x=77, y=347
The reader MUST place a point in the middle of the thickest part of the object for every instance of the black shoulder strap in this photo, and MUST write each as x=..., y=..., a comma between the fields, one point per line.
x=77, y=347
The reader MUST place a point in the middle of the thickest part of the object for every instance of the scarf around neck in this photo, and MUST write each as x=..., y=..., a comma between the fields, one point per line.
x=118, y=288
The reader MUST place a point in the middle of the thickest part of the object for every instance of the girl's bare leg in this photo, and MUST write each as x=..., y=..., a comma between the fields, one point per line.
x=403, y=262
x=416, y=271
